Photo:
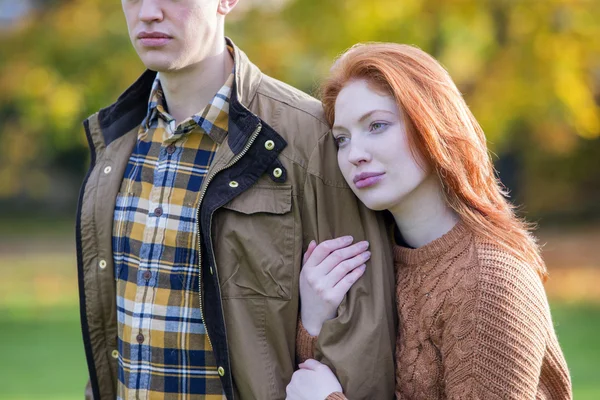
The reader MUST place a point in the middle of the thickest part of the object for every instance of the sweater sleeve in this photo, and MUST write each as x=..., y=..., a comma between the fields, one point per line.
x=496, y=332
x=305, y=343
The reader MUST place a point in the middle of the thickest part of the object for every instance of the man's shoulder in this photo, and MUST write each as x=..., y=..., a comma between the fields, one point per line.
x=299, y=119
x=293, y=101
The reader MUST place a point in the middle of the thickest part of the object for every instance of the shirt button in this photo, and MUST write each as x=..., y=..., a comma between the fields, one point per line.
x=158, y=211
x=147, y=275
x=115, y=354
x=277, y=172
x=140, y=338
x=234, y=184
x=102, y=264
x=221, y=371
x=107, y=169
x=171, y=149
x=269, y=145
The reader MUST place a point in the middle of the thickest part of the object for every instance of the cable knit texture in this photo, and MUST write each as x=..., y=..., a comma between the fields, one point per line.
x=474, y=323
x=305, y=343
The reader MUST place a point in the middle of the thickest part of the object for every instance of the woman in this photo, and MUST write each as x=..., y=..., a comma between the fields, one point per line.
x=474, y=320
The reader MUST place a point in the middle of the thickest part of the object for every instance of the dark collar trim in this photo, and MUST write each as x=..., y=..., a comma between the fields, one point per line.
x=131, y=108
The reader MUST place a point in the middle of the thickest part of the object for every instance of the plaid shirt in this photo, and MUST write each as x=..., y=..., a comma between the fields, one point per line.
x=164, y=352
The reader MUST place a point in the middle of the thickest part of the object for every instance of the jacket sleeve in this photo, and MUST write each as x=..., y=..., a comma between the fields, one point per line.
x=358, y=345
x=305, y=349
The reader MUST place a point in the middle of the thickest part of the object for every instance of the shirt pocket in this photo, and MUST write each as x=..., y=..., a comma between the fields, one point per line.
x=254, y=244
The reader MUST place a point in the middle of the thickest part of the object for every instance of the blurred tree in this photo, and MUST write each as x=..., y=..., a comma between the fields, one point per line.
x=529, y=69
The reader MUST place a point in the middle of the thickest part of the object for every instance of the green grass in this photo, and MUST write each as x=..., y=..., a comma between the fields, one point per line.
x=41, y=352
x=577, y=327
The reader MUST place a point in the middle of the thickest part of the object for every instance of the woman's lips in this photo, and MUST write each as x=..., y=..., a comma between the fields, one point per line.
x=367, y=181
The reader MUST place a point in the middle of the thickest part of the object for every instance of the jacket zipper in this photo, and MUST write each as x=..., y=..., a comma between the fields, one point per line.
x=235, y=160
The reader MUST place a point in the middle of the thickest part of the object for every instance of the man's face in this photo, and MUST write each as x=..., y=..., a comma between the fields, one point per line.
x=169, y=35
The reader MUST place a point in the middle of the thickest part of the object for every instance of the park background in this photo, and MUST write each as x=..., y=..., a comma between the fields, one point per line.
x=529, y=69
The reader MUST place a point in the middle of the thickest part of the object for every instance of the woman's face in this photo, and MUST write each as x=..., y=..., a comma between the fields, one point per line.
x=374, y=153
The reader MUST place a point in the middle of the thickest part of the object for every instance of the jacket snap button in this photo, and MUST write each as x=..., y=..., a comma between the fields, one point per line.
x=269, y=145
x=277, y=172
x=234, y=184
x=107, y=170
x=221, y=371
x=102, y=264
x=115, y=354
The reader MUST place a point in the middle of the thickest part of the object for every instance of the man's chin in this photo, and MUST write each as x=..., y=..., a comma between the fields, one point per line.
x=158, y=65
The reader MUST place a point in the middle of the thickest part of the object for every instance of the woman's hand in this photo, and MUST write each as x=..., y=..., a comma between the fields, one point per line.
x=313, y=381
x=329, y=271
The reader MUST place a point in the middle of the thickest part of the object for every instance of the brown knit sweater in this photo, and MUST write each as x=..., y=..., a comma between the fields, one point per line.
x=474, y=323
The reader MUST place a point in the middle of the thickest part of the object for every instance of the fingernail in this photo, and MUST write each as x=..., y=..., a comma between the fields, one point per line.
x=367, y=255
x=347, y=239
x=364, y=244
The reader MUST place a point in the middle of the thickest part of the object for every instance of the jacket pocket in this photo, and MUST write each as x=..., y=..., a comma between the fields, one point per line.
x=254, y=243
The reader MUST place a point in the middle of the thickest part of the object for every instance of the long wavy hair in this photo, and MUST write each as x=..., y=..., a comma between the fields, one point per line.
x=444, y=133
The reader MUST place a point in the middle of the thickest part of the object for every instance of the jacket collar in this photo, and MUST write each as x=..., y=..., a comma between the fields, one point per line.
x=247, y=77
x=131, y=107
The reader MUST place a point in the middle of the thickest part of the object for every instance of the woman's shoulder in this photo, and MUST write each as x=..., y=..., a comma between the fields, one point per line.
x=506, y=280
x=497, y=262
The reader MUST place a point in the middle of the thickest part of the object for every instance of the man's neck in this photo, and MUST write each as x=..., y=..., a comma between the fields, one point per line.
x=424, y=215
x=189, y=90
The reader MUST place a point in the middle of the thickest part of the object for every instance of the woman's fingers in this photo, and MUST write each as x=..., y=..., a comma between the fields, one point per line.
x=324, y=249
x=343, y=256
x=309, y=250
x=310, y=364
x=338, y=256
x=344, y=268
x=342, y=287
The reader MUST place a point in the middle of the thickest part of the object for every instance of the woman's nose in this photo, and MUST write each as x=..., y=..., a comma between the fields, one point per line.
x=358, y=154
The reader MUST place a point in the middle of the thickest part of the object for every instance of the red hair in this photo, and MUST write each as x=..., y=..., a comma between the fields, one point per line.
x=445, y=134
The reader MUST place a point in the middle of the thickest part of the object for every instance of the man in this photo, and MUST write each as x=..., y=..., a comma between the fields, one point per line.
x=206, y=182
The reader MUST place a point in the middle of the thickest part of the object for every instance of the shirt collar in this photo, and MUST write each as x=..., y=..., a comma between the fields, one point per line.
x=157, y=106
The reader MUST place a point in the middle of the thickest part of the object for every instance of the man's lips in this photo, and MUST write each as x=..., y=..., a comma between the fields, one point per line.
x=153, y=39
x=367, y=179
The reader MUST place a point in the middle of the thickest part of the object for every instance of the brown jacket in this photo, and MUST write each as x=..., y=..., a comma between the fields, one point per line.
x=252, y=236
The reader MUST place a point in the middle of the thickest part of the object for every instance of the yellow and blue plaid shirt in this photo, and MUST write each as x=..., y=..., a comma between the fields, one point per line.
x=164, y=352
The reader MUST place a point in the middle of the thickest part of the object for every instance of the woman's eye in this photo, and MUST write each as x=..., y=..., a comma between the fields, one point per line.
x=375, y=126
x=341, y=140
